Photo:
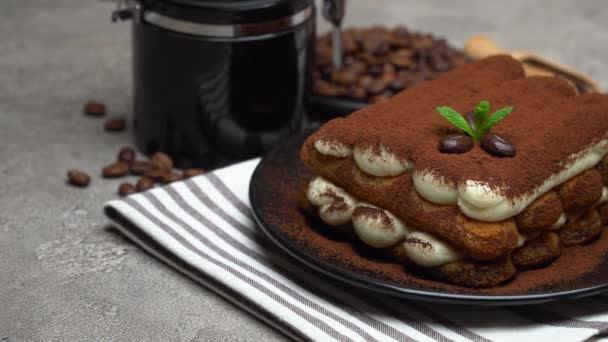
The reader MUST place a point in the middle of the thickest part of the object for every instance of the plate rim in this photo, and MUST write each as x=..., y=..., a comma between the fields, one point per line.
x=348, y=276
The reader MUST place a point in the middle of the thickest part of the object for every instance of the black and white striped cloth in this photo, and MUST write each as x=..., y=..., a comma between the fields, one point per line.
x=203, y=227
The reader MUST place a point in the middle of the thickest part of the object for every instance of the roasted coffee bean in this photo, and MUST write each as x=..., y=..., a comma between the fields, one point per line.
x=455, y=143
x=323, y=57
x=380, y=98
x=155, y=174
x=497, y=145
x=344, y=76
x=325, y=88
x=375, y=44
x=187, y=173
x=422, y=42
x=470, y=117
x=170, y=177
x=370, y=59
x=144, y=183
x=161, y=161
x=402, y=58
x=115, y=170
x=78, y=178
x=401, y=31
x=357, y=67
x=366, y=81
x=377, y=87
x=439, y=65
x=139, y=167
x=94, y=108
x=388, y=77
x=358, y=93
x=127, y=155
x=349, y=43
x=375, y=70
x=126, y=189
x=115, y=125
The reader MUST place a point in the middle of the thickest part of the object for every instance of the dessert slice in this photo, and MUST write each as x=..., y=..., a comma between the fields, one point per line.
x=469, y=212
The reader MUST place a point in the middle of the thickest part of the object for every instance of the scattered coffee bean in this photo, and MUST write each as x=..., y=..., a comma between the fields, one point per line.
x=155, y=174
x=170, y=177
x=399, y=58
x=126, y=189
x=187, y=173
x=497, y=145
x=161, y=161
x=455, y=143
x=144, y=183
x=115, y=125
x=115, y=170
x=127, y=155
x=94, y=108
x=78, y=178
x=139, y=167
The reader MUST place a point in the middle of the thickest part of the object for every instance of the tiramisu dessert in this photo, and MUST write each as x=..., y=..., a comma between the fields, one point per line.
x=467, y=178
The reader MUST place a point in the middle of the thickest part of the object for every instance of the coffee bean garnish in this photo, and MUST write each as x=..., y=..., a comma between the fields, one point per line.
x=161, y=161
x=144, y=183
x=126, y=189
x=127, y=155
x=139, y=167
x=115, y=125
x=497, y=145
x=187, y=173
x=78, y=178
x=455, y=143
x=470, y=117
x=94, y=108
x=115, y=170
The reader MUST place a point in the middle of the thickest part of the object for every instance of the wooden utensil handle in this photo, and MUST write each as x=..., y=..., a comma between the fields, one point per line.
x=480, y=46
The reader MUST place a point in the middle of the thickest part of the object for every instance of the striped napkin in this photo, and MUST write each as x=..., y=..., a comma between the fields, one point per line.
x=203, y=227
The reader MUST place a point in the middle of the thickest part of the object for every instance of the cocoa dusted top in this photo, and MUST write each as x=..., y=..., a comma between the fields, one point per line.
x=550, y=123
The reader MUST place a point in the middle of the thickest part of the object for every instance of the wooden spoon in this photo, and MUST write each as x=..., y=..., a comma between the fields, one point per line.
x=480, y=46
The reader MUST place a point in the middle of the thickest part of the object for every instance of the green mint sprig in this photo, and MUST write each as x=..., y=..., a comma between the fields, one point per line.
x=482, y=120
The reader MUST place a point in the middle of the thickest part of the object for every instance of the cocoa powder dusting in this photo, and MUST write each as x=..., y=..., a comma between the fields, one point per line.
x=421, y=243
x=378, y=214
x=549, y=124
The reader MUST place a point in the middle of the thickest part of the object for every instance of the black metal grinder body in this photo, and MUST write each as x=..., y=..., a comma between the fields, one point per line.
x=219, y=80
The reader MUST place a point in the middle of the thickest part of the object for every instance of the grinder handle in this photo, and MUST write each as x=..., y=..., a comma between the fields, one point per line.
x=480, y=46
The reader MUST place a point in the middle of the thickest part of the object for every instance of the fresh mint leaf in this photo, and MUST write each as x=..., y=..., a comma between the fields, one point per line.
x=455, y=119
x=480, y=118
x=497, y=117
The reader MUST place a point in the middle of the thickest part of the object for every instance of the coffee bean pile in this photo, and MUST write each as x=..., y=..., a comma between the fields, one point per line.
x=379, y=62
x=159, y=169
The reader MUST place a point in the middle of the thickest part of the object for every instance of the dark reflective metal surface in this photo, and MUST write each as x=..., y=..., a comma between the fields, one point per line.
x=209, y=102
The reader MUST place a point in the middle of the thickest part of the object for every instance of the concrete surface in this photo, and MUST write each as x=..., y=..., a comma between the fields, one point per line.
x=64, y=274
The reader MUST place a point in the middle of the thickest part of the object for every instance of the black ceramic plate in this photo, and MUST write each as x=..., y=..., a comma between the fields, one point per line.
x=275, y=192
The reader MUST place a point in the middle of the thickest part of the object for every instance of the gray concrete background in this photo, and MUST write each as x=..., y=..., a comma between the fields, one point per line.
x=64, y=274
